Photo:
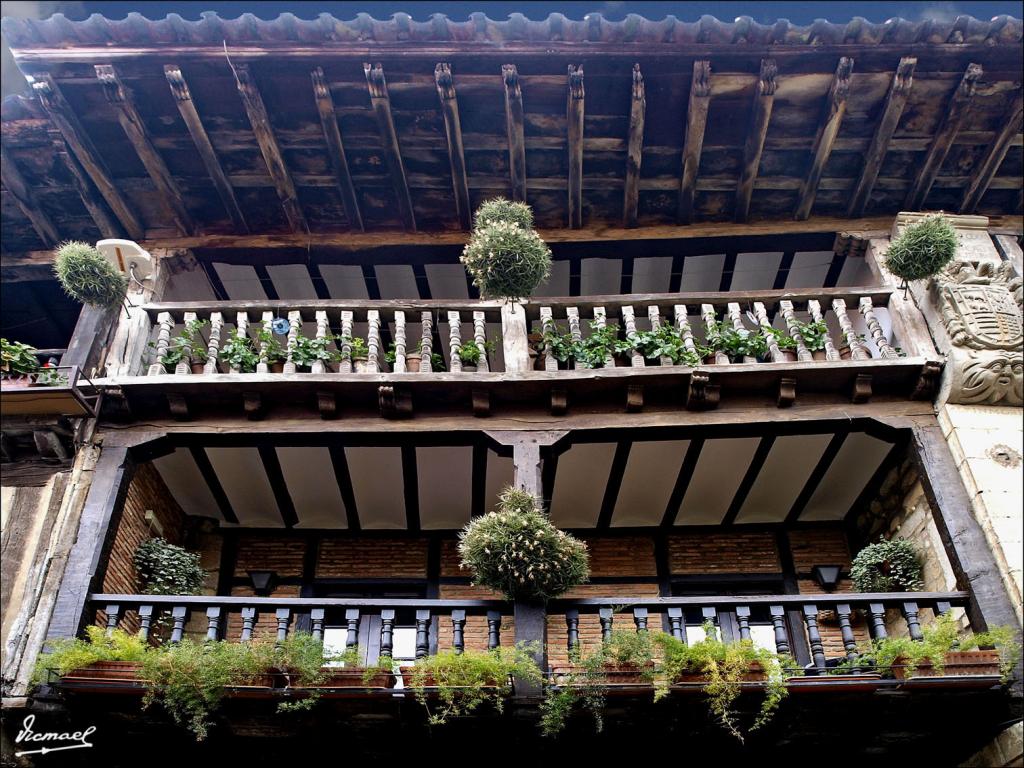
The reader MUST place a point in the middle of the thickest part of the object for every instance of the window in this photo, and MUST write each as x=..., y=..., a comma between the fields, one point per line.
x=762, y=631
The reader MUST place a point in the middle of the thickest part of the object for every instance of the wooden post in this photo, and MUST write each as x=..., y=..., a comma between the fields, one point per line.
x=381, y=103
x=514, y=337
x=828, y=130
x=696, y=122
x=335, y=149
x=574, y=123
x=761, y=113
x=634, y=152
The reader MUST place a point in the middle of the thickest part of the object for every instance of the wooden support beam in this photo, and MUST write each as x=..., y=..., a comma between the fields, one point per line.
x=278, y=484
x=264, y=132
x=348, y=496
x=895, y=101
x=761, y=113
x=982, y=175
x=696, y=122
x=453, y=132
x=574, y=129
x=101, y=216
x=634, y=152
x=611, y=490
x=828, y=130
x=749, y=478
x=816, y=476
x=137, y=133
x=85, y=152
x=392, y=153
x=410, y=485
x=202, y=460
x=953, y=118
x=27, y=202
x=190, y=115
x=683, y=477
x=514, y=130
x=335, y=149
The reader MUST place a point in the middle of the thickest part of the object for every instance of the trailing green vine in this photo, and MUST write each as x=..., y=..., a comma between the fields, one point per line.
x=892, y=565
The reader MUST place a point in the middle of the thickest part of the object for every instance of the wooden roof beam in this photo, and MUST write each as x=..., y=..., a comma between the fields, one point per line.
x=825, y=139
x=85, y=152
x=261, y=128
x=986, y=169
x=764, y=97
x=101, y=216
x=135, y=130
x=895, y=101
x=453, y=132
x=26, y=200
x=634, y=152
x=335, y=149
x=514, y=129
x=696, y=122
x=574, y=128
x=392, y=154
x=190, y=115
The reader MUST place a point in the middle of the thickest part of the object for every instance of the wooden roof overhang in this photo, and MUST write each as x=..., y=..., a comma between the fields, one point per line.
x=174, y=132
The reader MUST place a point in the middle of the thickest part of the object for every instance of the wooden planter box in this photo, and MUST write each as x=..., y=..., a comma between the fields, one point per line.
x=625, y=674
x=351, y=677
x=430, y=682
x=754, y=674
x=107, y=670
x=18, y=380
x=956, y=664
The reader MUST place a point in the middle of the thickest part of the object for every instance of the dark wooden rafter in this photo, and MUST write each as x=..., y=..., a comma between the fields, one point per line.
x=635, y=149
x=761, y=113
x=749, y=478
x=278, y=484
x=135, y=129
x=828, y=456
x=381, y=103
x=895, y=101
x=696, y=122
x=27, y=201
x=344, y=480
x=267, y=141
x=828, y=130
x=85, y=152
x=478, y=497
x=686, y=470
x=953, y=118
x=98, y=211
x=514, y=130
x=202, y=460
x=190, y=115
x=983, y=173
x=615, y=475
x=335, y=148
x=453, y=133
x=410, y=485
x=574, y=138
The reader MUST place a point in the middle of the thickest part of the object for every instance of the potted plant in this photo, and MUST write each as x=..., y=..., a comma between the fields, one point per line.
x=922, y=250
x=736, y=343
x=814, y=335
x=505, y=257
x=892, y=565
x=307, y=352
x=358, y=352
x=88, y=277
x=346, y=670
x=667, y=341
x=785, y=343
x=602, y=348
x=18, y=363
x=560, y=345
x=96, y=657
x=469, y=354
x=238, y=352
x=268, y=348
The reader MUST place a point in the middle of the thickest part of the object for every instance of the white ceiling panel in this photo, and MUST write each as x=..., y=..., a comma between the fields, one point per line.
x=718, y=473
x=851, y=470
x=344, y=281
x=445, y=478
x=500, y=473
x=309, y=474
x=652, y=274
x=785, y=471
x=855, y=272
x=580, y=484
x=186, y=484
x=240, y=282
x=241, y=475
x=702, y=273
x=557, y=283
x=809, y=269
x=647, y=484
x=377, y=483
x=755, y=271
x=600, y=276
x=190, y=285
x=291, y=281
x=447, y=281
x=396, y=281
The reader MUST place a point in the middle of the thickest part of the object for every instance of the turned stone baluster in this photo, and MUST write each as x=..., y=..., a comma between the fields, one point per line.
x=707, y=313
x=640, y=619
x=352, y=627
x=458, y=626
x=737, y=322
x=743, y=620
x=178, y=614
x=241, y=331
x=454, y=341
x=766, y=330
x=683, y=326
x=426, y=342
x=845, y=628
x=910, y=611
x=831, y=353
x=605, y=616
x=316, y=618
x=629, y=321
x=572, y=314
x=294, y=327
x=422, y=633
x=373, y=344
x=654, y=316
x=213, y=348
x=163, y=341
x=547, y=323
x=345, y=364
x=213, y=622
x=858, y=351
x=676, y=623
x=263, y=366
x=813, y=636
x=399, y=366
x=875, y=327
x=184, y=365
x=572, y=623
x=113, y=616
x=387, y=625
x=480, y=337
x=803, y=354
x=146, y=616
x=322, y=331
x=283, y=616
x=601, y=321
x=778, y=614
x=493, y=630
x=248, y=622
x=708, y=613
x=877, y=611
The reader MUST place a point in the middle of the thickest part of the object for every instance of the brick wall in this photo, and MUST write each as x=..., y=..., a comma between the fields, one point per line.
x=701, y=552
x=377, y=558
x=283, y=555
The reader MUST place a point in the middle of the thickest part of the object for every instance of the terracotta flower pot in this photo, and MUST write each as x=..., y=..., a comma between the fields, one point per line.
x=412, y=362
x=467, y=368
x=343, y=677
x=106, y=670
x=788, y=355
x=956, y=664
x=845, y=353
x=277, y=367
x=360, y=365
x=819, y=354
x=198, y=368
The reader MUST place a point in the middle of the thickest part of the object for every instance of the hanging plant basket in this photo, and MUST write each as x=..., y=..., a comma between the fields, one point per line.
x=887, y=566
x=922, y=250
x=88, y=277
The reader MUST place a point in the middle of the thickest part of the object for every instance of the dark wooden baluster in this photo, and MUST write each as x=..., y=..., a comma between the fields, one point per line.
x=493, y=630
x=813, y=636
x=178, y=614
x=458, y=624
x=849, y=642
x=572, y=623
x=778, y=614
x=283, y=617
x=877, y=611
x=605, y=616
x=640, y=619
x=387, y=624
x=708, y=613
x=316, y=618
x=352, y=625
x=913, y=622
x=743, y=619
x=422, y=634
x=248, y=622
x=676, y=623
x=213, y=622
x=146, y=616
x=113, y=616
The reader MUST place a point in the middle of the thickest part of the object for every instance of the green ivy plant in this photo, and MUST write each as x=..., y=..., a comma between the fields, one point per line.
x=667, y=341
x=813, y=334
x=892, y=565
x=735, y=343
x=308, y=351
x=922, y=249
x=88, y=277
x=167, y=569
x=267, y=345
x=238, y=351
x=190, y=341
x=17, y=359
x=357, y=347
x=469, y=352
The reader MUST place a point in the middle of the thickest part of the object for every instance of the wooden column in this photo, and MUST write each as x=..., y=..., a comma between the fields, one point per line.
x=453, y=133
x=514, y=130
x=983, y=173
x=574, y=127
x=27, y=202
x=635, y=149
x=696, y=122
x=392, y=154
x=835, y=109
x=761, y=113
x=335, y=149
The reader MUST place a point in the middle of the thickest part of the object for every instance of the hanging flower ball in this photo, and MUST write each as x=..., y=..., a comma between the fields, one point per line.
x=923, y=249
x=88, y=277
